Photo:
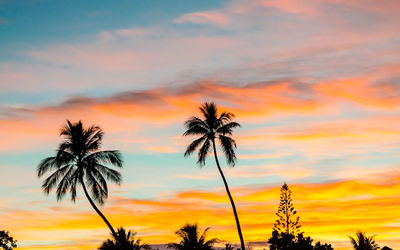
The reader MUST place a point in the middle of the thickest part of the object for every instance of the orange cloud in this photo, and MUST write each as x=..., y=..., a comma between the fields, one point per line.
x=328, y=211
x=124, y=115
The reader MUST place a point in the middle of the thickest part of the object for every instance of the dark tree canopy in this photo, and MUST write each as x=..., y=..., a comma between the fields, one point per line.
x=284, y=241
x=191, y=239
x=288, y=221
x=363, y=242
x=6, y=241
x=124, y=241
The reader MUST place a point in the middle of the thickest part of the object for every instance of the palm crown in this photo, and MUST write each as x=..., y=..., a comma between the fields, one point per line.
x=126, y=240
x=191, y=239
x=209, y=127
x=78, y=160
x=363, y=242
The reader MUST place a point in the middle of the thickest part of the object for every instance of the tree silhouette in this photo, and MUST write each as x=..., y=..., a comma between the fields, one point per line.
x=363, y=242
x=191, y=239
x=124, y=241
x=229, y=247
x=6, y=241
x=284, y=241
x=209, y=127
x=288, y=221
x=79, y=162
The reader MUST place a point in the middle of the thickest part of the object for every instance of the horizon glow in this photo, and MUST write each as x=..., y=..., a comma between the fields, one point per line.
x=315, y=86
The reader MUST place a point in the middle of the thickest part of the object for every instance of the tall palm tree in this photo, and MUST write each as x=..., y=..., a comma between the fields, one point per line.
x=79, y=161
x=363, y=242
x=191, y=239
x=124, y=241
x=209, y=127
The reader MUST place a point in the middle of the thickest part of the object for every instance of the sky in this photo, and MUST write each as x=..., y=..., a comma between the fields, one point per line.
x=315, y=85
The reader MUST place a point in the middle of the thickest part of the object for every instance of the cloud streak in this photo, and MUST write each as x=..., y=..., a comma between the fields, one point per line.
x=351, y=201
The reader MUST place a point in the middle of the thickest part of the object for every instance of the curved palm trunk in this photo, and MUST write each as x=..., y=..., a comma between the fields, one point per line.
x=230, y=198
x=97, y=210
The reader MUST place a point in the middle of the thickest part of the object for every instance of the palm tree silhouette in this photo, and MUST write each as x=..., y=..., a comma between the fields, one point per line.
x=191, y=239
x=363, y=242
x=211, y=126
x=79, y=162
x=124, y=241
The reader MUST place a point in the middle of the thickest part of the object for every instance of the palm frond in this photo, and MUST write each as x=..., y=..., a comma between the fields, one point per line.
x=226, y=116
x=228, y=144
x=50, y=182
x=94, y=135
x=196, y=130
x=227, y=128
x=203, y=152
x=112, y=157
x=99, y=177
x=45, y=165
x=193, y=121
x=194, y=145
x=111, y=174
x=209, y=111
x=64, y=184
x=66, y=129
x=96, y=189
x=74, y=181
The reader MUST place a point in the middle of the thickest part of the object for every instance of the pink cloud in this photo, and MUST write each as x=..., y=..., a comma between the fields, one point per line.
x=203, y=18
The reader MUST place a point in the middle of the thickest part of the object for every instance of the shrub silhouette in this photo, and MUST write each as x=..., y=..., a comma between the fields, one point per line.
x=7, y=242
x=284, y=241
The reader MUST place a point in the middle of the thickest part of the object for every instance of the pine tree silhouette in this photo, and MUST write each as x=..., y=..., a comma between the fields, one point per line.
x=288, y=221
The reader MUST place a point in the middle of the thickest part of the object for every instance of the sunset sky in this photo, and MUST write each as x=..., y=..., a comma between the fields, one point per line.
x=315, y=85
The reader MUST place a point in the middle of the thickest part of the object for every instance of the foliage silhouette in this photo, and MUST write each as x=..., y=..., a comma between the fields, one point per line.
x=7, y=242
x=79, y=162
x=288, y=221
x=209, y=127
x=363, y=242
x=124, y=241
x=284, y=241
x=229, y=247
x=285, y=234
x=191, y=239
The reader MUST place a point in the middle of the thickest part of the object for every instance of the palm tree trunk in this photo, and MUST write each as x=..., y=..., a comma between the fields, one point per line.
x=97, y=210
x=230, y=197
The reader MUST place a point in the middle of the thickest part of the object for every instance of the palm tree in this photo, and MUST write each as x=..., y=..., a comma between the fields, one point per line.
x=363, y=242
x=210, y=126
x=124, y=241
x=78, y=161
x=191, y=239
